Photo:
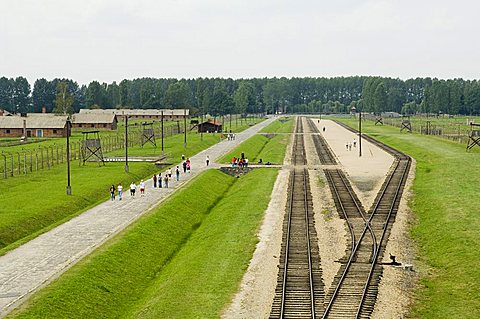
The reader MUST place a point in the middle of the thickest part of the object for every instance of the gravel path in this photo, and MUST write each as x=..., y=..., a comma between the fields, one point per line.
x=41, y=260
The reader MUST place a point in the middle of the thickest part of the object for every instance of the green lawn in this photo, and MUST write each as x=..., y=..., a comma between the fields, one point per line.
x=184, y=259
x=281, y=125
x=269, y=149
x=447, y=212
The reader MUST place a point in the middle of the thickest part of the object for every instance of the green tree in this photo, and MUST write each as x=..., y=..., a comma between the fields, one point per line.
x=244, y=97
x=380, y=98
x=63, y=100
x=95, y=94
x=21, y=95
x=177, y=95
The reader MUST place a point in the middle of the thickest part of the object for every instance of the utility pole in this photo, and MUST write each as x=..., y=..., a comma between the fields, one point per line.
x=185, y=127
x=69, y=187
x=360, y=134
x=162, y=133
x=126, y=143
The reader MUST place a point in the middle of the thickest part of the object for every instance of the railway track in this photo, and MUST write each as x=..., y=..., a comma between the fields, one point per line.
x=355, y=288
x=300, y=291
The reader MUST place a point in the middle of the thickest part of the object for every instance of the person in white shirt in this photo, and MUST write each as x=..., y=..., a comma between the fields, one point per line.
x=120, y=191
x=133, y=187
x=142, y=187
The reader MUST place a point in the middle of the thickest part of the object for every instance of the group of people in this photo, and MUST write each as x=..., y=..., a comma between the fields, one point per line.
x=241, y=161
x=159, y=181
x=348, y=145
x=230, y=136
x=133, y=189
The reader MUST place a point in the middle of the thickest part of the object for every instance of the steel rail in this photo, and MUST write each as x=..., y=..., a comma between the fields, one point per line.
x=384, y=231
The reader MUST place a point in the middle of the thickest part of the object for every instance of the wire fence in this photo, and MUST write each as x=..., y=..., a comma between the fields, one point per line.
x=27, y=161
x=454, y=130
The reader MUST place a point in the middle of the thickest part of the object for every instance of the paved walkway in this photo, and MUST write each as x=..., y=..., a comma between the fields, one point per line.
x=41, y=260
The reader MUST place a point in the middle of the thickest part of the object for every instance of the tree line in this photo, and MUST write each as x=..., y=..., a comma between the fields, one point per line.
x=218, y=96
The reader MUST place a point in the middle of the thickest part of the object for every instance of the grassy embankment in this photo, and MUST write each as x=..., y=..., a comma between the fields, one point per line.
x=446, y=231
x=184, y=259
x=33, y=204
x=264, y=147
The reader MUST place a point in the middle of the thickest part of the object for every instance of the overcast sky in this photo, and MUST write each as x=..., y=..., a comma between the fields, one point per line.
x=109, y=40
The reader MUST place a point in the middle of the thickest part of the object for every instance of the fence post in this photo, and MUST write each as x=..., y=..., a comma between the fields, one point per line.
x=31, y=161
x=48, y=159
x=24, y=162
x=4, y=165
x=19, y=162
x=56, y=149
x=36, y=160
x=11, y=165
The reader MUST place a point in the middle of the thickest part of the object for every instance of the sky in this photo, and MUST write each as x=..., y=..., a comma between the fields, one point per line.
x=112, y=40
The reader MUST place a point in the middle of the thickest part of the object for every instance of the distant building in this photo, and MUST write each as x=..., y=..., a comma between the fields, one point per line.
x=144, y=114
x=98, y=121
x=210, y=126
x=33, y=125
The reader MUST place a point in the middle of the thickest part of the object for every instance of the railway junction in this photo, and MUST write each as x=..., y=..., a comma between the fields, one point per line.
x=327, y=253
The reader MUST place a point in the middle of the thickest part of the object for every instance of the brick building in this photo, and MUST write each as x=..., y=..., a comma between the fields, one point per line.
x=92, y=120
x=33, y=125
x=144, y=114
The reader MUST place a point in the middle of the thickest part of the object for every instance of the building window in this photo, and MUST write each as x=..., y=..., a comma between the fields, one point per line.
x=54, y=131
x=104, y=125
x=7, y=131
x=39, y=133
x=92, y=125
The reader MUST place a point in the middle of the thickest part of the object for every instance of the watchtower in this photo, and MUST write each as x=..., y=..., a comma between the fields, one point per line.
x=473, y=136
x=406, y=124
x=91, y=147
x=148, y=134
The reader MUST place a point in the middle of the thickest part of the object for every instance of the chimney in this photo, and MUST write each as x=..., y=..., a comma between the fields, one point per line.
x=44, y=109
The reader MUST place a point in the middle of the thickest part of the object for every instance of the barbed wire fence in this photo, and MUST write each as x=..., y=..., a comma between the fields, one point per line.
x=454, y=131
x=27, y=161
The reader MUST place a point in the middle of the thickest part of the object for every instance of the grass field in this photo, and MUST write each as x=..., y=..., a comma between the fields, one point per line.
x=447, y=234
x=260, y=147
x=184, y=259
x=268, y=148
x=282, y=125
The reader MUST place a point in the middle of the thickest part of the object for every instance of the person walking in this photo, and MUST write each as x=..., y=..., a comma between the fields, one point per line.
x=112, y=192
x=177, y=173
x=354, y=142
x=165, y=180
x=184, y=164
x=154, y=180
x=142, y=188
x=120, y=191
x=169, y=173
x=188, y=164
x=133, y=187
x=159, y=180
x=208, y=160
